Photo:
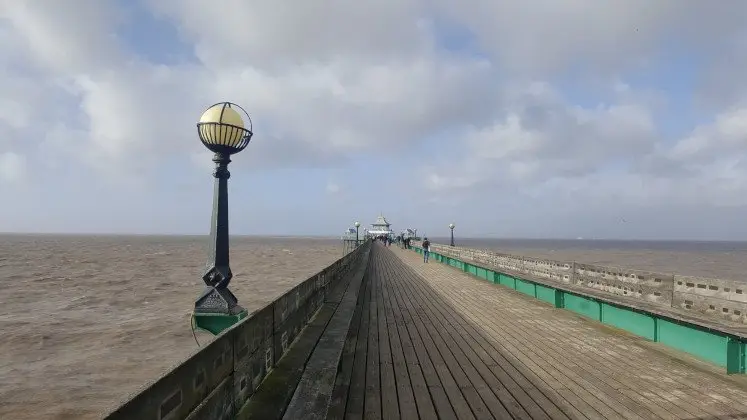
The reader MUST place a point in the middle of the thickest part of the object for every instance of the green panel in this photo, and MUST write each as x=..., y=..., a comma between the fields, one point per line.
x=736, y=356
x=525, y=287
x=481, y=273
x=703, y=344
x=582, y=305
x=559, y=298
x=216, y=323
x=545, y=293
x=471, y=269
x=507, y=281
x=638, y=323
x=494, y=277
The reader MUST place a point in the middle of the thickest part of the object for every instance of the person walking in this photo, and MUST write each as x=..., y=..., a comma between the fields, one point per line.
x=426, y=249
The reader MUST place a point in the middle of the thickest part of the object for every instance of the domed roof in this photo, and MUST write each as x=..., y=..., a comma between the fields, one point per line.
x=381, y=221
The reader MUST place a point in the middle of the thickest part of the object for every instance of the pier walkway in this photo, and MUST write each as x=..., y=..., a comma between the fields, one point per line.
x=382, y=335
x=429, y=341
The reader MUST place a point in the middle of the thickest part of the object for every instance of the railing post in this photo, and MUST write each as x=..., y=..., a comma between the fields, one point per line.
x=573, y=272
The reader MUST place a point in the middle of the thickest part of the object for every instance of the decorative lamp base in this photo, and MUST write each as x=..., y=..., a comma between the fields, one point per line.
x=216, y=323
x=216, y=310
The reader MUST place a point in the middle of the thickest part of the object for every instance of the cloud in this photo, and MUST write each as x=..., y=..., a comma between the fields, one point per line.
x=332, y=188
x=539, y=137
x=548, y=36
x=12, y=167
x=427, y=106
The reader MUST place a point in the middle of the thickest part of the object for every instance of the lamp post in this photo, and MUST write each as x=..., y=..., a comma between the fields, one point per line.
x=224, y=131
x=451, y=226
x=357, y=226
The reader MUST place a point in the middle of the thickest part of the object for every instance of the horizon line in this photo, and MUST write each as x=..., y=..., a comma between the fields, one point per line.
x=332, y=236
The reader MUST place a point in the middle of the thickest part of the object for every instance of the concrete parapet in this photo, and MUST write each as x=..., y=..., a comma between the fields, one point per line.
x=710, y=298
x=718, y=298
x=216, y=380
x=652, y=287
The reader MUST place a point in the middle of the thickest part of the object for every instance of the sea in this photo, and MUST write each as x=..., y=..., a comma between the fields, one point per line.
x=88, y=320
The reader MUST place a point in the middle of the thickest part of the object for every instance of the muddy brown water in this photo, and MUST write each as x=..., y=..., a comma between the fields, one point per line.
x=86, y=321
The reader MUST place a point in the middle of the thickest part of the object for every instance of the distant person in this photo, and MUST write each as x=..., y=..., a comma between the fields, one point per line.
x=426, y=249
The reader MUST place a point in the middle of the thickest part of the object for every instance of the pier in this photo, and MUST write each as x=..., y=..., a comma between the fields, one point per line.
x=469, y=335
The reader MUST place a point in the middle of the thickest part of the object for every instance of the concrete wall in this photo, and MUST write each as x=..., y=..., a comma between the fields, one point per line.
x=710, y=298
x=218, y=379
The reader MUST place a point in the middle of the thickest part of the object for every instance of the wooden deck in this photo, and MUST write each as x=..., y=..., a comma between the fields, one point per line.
x=428, y=341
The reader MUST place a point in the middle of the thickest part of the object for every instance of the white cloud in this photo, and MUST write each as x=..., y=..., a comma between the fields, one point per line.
x=12, y=167
x=327, y=82
x=332, y=188
x=541, y=137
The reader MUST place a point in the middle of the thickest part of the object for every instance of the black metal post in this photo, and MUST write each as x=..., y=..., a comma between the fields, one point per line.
x=216, y=298
x=357, y=239
x=452, y=236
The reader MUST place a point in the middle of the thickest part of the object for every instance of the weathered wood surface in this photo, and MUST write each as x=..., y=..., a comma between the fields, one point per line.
x=428, y=341
x=485, y=351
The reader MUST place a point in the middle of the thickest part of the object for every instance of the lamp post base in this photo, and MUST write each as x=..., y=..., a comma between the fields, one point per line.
x=217, y=310
x=216, y=323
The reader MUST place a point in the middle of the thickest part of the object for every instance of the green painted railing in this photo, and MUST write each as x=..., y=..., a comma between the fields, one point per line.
x=718, y=347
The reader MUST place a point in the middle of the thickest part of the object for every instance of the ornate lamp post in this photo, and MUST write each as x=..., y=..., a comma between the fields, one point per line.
x=224, y=131
x=357, y=226
x=451, y=226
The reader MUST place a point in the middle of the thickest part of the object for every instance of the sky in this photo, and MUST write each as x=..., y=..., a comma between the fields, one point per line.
x=619, y=119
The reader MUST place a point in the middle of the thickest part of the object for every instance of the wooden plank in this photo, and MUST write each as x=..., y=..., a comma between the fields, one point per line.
x=356, y=394
x=603, y=372
x=412, y=391
x=373, y=380
x=587, y=396
x=534, y=407
x=487, y=404
x=430, y=397
x=527, y=384
x=530, y=361
x=484, y=366
x=437, y=374
x=389, y=401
